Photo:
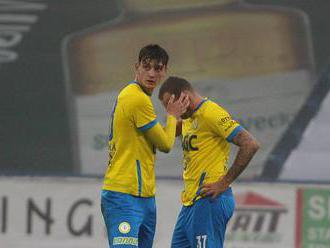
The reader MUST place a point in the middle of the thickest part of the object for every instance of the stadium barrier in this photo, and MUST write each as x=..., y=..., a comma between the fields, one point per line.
x=45, y=212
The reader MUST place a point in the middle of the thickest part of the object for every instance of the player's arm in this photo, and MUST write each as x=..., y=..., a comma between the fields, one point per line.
x=163, y=138
x=222, y=124
x=248, y=146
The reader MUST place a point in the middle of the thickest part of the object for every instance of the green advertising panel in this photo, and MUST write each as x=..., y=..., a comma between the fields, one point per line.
x=315, y=218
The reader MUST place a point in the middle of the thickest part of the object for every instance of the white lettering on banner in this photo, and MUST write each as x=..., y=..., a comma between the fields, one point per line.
x=21, y=18
x=12, y=25
x=20, y=28
x=319, y=208
x=9, y=38
x=319, y=234
x=20, y=5
x=7, y=56
x=317, y=246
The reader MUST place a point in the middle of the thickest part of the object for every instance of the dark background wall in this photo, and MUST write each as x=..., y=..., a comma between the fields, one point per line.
x=35, y=104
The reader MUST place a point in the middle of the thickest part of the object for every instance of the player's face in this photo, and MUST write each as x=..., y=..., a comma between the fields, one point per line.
x=185, y=115
x=149, y=74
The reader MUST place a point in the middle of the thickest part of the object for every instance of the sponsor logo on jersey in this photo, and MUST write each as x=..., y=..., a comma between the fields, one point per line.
x=125, y=241
x=187, y=143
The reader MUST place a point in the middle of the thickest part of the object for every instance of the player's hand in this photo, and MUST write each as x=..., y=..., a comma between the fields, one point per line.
x=179, y=106
x=214, y=189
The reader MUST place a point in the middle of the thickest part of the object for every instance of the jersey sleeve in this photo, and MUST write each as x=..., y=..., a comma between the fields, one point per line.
x=223, y=124
x=143, y=113
x=163, y=138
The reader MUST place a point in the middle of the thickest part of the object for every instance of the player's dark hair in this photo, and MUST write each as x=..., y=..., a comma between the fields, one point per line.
x=174, y=85
x=153, y=52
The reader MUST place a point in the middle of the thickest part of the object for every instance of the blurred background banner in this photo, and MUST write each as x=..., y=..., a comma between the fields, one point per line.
x=262, y=71
x=62, y=63
x=288, y=215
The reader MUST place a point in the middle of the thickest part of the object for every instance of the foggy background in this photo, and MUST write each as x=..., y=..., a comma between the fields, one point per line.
x=63, y=62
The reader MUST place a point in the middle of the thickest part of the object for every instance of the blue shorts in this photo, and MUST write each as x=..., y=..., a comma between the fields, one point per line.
x=203, y=224
x=130, y=220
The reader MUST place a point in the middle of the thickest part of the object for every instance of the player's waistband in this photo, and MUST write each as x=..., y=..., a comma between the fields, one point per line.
x=228, y=192
x=115, y=194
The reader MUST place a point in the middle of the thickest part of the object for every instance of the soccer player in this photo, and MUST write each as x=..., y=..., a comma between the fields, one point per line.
x=208, y=202
x=127, y=199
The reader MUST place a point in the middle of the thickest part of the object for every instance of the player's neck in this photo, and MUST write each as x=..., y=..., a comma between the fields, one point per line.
x=145, y=90
x=196, y=100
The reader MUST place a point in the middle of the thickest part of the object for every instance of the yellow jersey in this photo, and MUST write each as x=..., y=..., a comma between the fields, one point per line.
x=131, y=156
x=205, y=142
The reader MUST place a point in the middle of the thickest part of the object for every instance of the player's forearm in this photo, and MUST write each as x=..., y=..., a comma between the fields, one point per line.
x=241, y=161
x=163, y=138
x=248, y=146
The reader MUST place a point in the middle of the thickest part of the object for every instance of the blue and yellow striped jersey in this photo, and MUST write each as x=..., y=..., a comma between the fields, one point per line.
x=131, y=155
x=205, y=141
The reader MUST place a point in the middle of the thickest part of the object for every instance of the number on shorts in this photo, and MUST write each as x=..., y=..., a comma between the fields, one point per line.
x=201, y=241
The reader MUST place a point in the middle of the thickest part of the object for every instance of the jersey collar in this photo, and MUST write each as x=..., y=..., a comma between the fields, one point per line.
x=136, y=82
x=200, y=104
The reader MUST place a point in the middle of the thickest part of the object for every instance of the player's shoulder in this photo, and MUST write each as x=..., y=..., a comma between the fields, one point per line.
x=212, y=109
x=130, y=88
x=132, y=95
x=217, y=117
x=133, y=90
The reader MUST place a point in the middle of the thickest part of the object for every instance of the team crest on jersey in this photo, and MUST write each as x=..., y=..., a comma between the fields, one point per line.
x=124, y=227
x=195, y=124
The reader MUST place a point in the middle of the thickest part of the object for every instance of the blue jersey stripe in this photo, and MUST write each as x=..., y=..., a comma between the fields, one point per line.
x=201, y=180
x=112, y=117
x=148, y=126
x=138, y=169
x=234, y=133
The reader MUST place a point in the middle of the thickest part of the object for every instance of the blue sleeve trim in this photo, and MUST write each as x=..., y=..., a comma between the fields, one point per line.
x=148, y=126
x=234, y=133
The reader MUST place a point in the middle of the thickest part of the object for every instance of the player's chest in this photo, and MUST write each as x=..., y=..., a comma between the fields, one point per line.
x=194, y=134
